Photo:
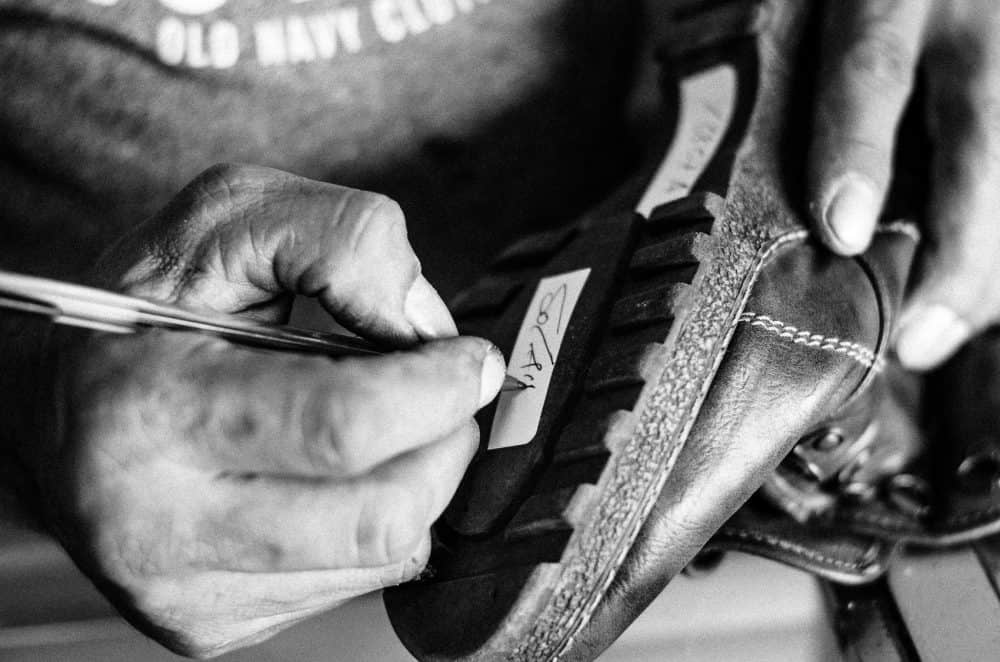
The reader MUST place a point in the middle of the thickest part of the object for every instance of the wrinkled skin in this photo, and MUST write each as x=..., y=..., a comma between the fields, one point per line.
x=218, y=494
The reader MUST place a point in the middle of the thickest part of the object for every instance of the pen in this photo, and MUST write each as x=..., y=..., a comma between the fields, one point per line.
x=92, y=308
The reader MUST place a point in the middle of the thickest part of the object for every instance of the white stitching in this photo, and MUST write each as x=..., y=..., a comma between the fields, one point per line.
x=863, y=355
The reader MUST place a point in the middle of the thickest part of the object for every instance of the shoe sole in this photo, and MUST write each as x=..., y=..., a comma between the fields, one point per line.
x=674, y=291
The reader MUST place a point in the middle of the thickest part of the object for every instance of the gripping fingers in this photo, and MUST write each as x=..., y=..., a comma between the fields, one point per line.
x=272, y=413
x=240, y=237
x=196, y=465
x=957, y=294
x=377, y=523
x=870, y=54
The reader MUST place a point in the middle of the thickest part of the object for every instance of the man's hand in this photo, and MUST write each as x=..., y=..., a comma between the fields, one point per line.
x=871, y=51
x=218, y=494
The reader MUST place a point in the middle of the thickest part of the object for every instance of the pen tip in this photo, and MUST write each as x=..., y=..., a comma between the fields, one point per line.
x=514, y=384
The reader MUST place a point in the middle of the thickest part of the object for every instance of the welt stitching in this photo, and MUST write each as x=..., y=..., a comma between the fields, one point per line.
x=863, y=355
x=762, y=260
x=787, y=546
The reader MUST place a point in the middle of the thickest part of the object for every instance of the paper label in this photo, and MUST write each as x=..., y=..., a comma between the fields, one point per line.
x=533, y=359
x=707, y=104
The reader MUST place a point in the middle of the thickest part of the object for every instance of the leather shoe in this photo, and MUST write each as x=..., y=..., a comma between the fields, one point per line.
x=676, y=345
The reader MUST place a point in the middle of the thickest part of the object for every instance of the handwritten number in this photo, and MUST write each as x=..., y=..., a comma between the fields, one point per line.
x=551, y=307
x=545, y=344
x=545, y=306
x=532, y=359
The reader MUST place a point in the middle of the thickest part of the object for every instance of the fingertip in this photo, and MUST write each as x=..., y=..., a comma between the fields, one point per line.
x=494, y=371
x=929, y=334
x=470, y=359
x=849, y=213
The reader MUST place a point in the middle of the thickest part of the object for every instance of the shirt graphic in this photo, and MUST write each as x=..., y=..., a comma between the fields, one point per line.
x=193, y=35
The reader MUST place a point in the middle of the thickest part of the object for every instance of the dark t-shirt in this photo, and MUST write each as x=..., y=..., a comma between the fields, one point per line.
x=475, y=114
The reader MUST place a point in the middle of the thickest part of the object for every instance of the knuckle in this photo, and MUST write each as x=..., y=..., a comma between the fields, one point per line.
x=369, y=234
x=387, y=211
x=377, y=222
x=391, y=527
x=191, y=226
x=219, y=189
x=882, y=58
x=228, y=176
x=338, y=427
x=221, y=194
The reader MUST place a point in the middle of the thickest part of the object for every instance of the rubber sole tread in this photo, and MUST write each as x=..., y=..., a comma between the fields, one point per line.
x=660, y=280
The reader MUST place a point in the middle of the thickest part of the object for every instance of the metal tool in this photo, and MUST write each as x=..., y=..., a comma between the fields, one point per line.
x=92, y=308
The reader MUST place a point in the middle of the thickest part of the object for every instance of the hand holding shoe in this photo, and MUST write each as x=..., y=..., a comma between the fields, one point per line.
x=871, y=54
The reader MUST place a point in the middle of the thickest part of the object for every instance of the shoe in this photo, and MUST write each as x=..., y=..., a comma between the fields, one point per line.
x=940, y=485
x=915, y=504
x=854, y=460
x=926, y=475
x=677, y=349
x=922, y=471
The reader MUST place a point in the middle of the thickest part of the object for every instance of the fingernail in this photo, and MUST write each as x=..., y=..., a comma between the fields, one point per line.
x=928, y=335
x=426, y=312
x=494, y=371
x=851, y=214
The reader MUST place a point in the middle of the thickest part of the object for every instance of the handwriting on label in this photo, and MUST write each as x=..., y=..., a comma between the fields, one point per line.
x=707, y=103
x=534, y=357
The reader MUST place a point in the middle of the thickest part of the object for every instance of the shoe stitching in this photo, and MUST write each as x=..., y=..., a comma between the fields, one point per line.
x=860, y=353
x=803, y=551
x=769, y=249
